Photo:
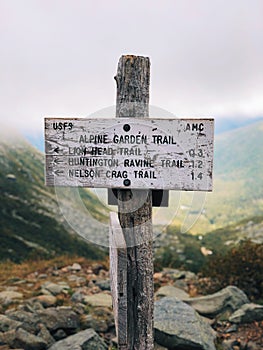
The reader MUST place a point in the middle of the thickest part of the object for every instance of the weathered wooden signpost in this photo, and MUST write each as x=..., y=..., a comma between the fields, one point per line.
x=133, y=155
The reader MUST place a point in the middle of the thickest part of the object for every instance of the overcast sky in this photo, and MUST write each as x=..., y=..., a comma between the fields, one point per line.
x=58, y=57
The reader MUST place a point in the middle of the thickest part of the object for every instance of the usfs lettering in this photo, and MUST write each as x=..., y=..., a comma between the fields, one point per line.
x=62, y=126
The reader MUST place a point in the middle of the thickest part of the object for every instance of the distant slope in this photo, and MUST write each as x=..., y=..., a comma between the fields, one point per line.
x=238, y=165
x=187, y=251
x=238, y=183
x=227, y=237
x=31, y=223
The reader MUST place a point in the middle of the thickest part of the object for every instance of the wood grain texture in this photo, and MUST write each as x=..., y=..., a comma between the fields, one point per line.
x=135, y=211
x=118, y=275
x=152, y=153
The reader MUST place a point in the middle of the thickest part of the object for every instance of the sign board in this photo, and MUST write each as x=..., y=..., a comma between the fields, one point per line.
x=130, y=153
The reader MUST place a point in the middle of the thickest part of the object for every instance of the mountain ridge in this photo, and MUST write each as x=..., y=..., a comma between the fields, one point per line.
x=31, y=223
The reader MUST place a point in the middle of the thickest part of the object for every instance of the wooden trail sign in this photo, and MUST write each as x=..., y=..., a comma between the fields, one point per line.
x=130, y=153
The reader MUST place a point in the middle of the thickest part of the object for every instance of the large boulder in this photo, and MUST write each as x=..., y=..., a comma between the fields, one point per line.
x=178, y=326
x=226, y=300
x=85, y=340
x=247, y=313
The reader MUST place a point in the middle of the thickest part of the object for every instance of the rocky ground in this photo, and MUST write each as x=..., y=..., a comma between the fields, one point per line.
x=66, y=304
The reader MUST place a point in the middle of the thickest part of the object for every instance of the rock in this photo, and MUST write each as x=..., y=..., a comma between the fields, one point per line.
x=75, y=267
x=79, y=308
x=6, y=324
x=247, y=313
x=79, y=281
x=85, y=340
x=31, y=305
x=11, y=177
x=29, y=320
x=251, y=346
x=47, y=300
x=86, y=321
x=170, y=291
x=7, y=297
x=101, y=320
x=227, y=344
x=103, y=284
x=99, y=325
x=44, y=334
x=99, y=299
x=231, y=329
x=79, y=295
x=178, y=274
x=228, y=299
x=22, y=339
x=159, y=347
x=54, y=288
x=178, y=326
x=60, y=334
x=59, y=318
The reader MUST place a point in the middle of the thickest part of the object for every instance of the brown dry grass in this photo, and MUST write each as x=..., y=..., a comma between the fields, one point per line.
x=10, y=270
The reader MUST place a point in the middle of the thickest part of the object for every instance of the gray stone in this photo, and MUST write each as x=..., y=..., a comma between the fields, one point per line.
x=44, y=334
x=59, y=318
x=22, y=339
x=228, y=299
x=47, y=300
x=29, y=320
x=103, y=284
x=79, y=308
x=75, y=267
x=178, y=326
x=99, y=299
x=86, y=321
x=79, y=281
x=159, y=347
x=78, y=296
x=6, y=324
x=7, y=297
x=85, y=340
x=178, y=274
x=31, y=305
x=54, y=288
x=232, y=329
x=60, y=334
x=247, y=313
x=170, y=291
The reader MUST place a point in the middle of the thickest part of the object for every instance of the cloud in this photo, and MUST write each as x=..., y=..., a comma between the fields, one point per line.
x=59, y=57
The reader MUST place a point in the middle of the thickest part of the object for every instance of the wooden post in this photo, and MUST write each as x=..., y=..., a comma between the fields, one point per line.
x=135, y=212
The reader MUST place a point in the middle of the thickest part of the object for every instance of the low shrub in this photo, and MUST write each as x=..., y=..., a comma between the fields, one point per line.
x=242, y=266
